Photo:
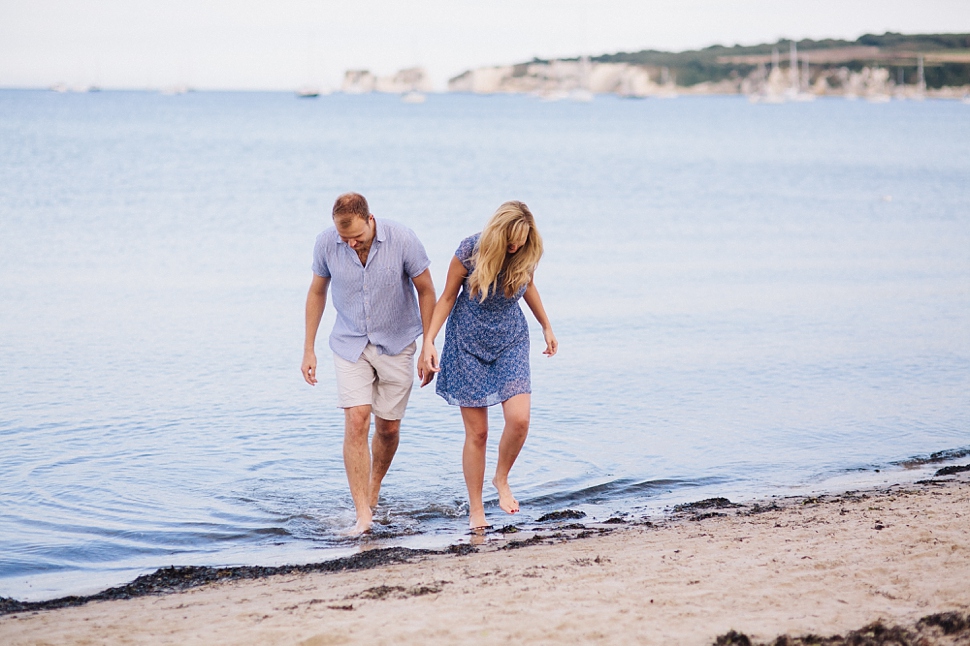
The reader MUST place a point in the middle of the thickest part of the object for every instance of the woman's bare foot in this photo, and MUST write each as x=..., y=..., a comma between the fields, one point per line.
x=506, y=500
x=478, y=537
x=476, y=520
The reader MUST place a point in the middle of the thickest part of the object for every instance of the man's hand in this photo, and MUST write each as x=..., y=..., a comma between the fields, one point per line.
x=428, y=364
x=310, y=367
x=552, y=345
x=316, y=301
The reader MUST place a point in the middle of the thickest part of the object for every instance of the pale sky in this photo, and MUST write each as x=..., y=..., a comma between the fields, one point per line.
x=284, y=44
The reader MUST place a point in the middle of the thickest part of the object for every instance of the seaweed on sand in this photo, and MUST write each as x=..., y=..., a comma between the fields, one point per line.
x=709, y=503
x=176, y=579
x=950, y=471
x=566, y=514
x=942, y=628
x=512, y=545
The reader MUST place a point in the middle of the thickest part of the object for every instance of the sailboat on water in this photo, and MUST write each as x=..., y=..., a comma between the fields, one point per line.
x=581, y=93
x=413, y=96
x=769, y=82
x=920, y=81
x=795, y=91
x=308, y=90
x=806, y=82
x=668, y=85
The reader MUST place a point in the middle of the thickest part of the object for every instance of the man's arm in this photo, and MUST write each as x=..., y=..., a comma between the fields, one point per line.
x=316, y=301
x=426, y=298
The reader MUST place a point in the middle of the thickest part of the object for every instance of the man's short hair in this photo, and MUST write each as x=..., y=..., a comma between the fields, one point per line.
x=349, y=205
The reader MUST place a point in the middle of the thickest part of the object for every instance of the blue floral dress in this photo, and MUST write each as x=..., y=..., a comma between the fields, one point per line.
x=485, y=359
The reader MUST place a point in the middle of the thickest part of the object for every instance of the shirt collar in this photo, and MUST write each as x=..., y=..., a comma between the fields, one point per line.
x=380, y=232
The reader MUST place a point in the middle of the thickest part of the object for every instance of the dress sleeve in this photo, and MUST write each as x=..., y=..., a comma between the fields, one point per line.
x=465, y=251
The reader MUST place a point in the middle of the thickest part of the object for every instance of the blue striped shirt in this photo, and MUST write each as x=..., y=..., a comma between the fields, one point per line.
x=376, y=303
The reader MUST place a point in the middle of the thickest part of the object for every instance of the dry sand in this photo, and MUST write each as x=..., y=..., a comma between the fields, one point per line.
x=822, y=566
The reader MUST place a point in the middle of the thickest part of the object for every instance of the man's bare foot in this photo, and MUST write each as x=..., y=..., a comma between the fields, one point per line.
x=362, y=526
x=375, y=494
x=506, y=500
x=477, y=520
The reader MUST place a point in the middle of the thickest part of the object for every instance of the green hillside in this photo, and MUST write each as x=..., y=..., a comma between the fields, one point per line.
x=946, y=57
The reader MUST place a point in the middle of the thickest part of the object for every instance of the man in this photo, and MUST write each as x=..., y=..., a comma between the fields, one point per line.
x=372, y=268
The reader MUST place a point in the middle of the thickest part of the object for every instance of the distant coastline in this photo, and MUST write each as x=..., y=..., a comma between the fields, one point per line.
x=873, y=67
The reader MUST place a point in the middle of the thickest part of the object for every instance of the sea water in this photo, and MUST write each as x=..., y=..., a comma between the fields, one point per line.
x=750, y=300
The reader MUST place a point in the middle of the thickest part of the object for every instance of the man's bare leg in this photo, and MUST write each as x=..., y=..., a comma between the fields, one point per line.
x=357, y=463
x=383, y=447
x=517, y=411
x=473, y=462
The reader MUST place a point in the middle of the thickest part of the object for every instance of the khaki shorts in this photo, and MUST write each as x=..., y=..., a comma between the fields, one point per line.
x=381, y=381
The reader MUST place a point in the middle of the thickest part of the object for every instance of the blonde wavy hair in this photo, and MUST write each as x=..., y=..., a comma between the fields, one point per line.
x=511, y=223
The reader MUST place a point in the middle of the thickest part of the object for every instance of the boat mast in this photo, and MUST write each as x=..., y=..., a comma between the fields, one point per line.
x=793, y=67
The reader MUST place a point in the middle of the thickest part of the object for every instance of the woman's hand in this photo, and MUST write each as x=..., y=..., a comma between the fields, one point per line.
x=428, y=364
x=552, y=345
x=532, y=299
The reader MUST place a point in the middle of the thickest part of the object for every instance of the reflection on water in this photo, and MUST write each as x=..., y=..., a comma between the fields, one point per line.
x=741, y=312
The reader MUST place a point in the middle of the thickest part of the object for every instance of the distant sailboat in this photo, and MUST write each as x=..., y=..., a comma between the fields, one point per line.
x=877, y=86
x=792, y=92
x=668, y=85
x=308, y=90
x=582, y=94
x=413, y=97
x=625, y=90
x=920, y=81
x=900, y=93
x=768, y=92
x=806, y=82
x=307, y=93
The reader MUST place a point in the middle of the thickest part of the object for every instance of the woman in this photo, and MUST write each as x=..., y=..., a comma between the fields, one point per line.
x=485, y=360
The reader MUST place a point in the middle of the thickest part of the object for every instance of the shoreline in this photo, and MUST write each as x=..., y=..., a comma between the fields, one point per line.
x=175, y=577
x=823, y=565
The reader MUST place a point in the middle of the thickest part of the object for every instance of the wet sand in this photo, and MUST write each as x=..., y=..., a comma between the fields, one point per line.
x=790, y=567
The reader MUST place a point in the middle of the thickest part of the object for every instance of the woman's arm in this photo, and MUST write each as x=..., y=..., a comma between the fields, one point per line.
x=535, y=304
x=456, y=276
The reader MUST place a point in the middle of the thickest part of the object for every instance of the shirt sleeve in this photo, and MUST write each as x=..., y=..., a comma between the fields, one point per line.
x=320, y=267
x=415, y=257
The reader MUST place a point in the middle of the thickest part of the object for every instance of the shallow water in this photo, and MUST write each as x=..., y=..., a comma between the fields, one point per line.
x=750, y=300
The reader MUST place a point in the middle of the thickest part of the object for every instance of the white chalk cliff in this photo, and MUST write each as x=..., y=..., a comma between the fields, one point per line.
x=412, y=79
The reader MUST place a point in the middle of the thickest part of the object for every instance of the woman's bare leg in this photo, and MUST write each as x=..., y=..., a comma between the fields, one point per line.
x=473, y=462
x=517, y=411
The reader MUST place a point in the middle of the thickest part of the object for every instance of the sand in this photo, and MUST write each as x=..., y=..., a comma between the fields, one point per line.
x=796, y=566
